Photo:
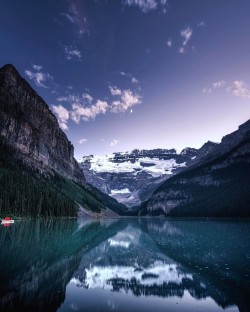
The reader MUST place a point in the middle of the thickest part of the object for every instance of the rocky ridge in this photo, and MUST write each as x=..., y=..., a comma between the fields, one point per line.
x=217, y=185
x=131, y=177
x=28, y=125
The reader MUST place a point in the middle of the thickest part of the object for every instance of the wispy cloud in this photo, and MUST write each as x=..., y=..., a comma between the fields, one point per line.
x=82, y=141
x=215, y=85
x=79, y=111
x=85, y=107
x=69, y=17
x=239, y=88
x=114, y=142
x=201, y=24
x=62, y=115
x=126, y=99
x=87, y=97
x=219, y=84
x=37, y=67
x=115, y=91
x=147, y=5
x=186, y=34
x=134, y=80
x=182, y=50
x=40, y=78
x=72, y=52
x=206, y=90
x=76, y=16
x=130, y=76
x=169, y=43
x=84, y=98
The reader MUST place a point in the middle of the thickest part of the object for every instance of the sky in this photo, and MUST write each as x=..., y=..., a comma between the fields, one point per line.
x=125, y=74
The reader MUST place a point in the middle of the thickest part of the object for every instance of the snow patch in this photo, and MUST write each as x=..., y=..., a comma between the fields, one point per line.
x=158, y=168
x=122, y=191
x=156, y=274
x=116, y=243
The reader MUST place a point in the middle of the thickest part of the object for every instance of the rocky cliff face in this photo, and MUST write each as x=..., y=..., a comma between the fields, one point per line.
x=131, y=177
x=218, y=184
x=28, y=125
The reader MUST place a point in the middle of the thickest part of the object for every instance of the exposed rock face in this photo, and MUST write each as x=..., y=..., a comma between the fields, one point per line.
x=28, y=125
x=217, y=184
x=131, y=177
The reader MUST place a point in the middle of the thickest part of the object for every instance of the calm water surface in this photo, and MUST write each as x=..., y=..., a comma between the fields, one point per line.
x=125, y=265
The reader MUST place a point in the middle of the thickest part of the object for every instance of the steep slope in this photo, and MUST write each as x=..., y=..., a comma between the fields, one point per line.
x=218, y=185
x=131, y=177
x=28, y=125
x=38, y=172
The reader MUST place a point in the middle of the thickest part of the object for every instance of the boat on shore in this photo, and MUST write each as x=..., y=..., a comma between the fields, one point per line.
x=7, y=221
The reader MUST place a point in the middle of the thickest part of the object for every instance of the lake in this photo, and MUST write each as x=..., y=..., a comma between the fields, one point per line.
x=125, y=265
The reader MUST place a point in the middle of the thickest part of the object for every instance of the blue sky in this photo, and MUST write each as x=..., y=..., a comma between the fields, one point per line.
x=132, y=74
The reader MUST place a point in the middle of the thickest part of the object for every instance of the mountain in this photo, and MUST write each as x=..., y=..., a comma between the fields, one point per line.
x=28, y=125
x=38, y=172
x=216, y=185
x=131, y=177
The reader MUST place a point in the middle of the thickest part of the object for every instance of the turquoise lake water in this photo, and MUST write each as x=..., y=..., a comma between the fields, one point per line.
x=125, y=265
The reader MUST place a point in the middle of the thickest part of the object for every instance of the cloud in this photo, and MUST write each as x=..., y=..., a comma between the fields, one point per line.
x=87, y=97
x=215, y=85
x=134, y=80
x=130, y=76
x=186, y=35
x=85, y=107
x=126, y=100
x=70, y=17
x=201, y=24
x=169, y=43
x=114, y=142
x=182, y=50
x=82, y=141
x=147, y=5
x=37, y=67
x=115, y=90
x=39, y=77
x=239, y=88
x=84, y=98
x=62, y=115
x=206, y=90
x=123, y=74
x=75, y=15
x=79, y=111
x=72, y=52
x=219, y=84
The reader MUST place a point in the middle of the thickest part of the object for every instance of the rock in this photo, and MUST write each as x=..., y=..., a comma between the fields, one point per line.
x=28, y=125
x=131, y=177
x=216, y=184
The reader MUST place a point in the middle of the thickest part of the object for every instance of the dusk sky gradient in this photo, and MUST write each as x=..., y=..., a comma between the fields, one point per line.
x=125, y=74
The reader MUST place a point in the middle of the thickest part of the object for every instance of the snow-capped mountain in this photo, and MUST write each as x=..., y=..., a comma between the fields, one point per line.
x=131, y=177
x=217, y=185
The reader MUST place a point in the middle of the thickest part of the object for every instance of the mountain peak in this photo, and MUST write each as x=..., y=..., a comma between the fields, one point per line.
x=9, y=68
x=28, y=125
x=10, y=71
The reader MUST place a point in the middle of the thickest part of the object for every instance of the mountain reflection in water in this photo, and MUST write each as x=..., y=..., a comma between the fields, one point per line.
x=125, y=265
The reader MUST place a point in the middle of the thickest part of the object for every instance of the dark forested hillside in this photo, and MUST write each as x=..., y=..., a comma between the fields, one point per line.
x=24, y=191
x=217, y=186
x=39, y=175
